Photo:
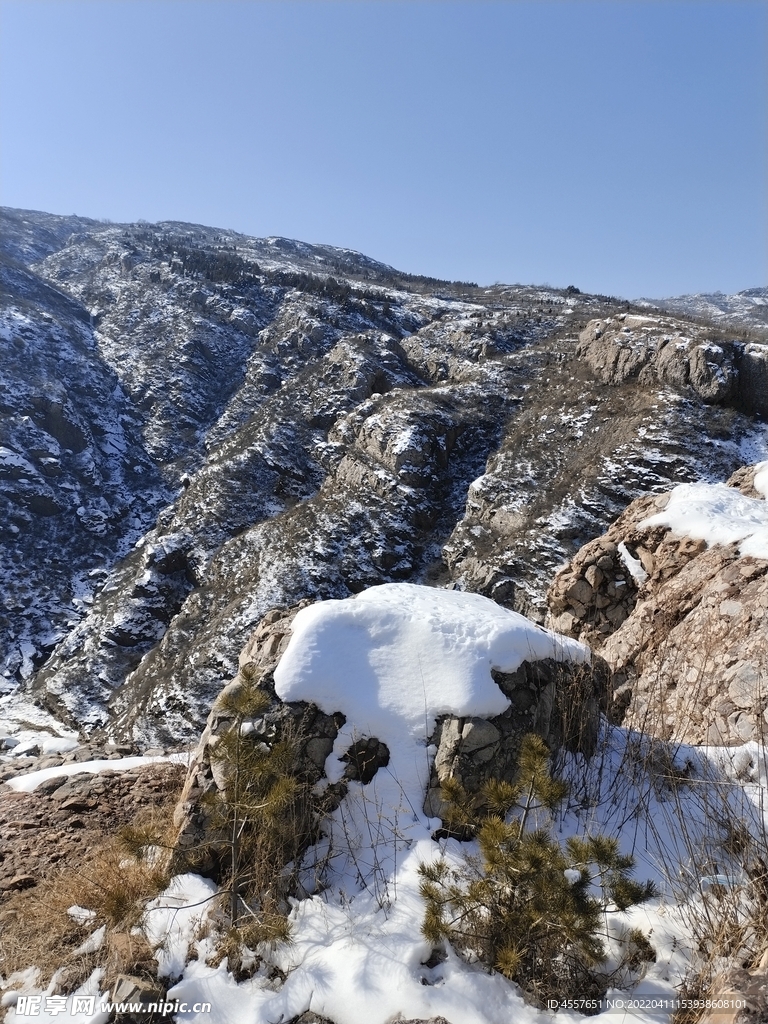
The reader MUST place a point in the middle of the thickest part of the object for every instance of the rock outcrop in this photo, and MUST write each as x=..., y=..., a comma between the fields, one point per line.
x=559, y=700
x=198, y=843
x=653, y=349
x=683, y=625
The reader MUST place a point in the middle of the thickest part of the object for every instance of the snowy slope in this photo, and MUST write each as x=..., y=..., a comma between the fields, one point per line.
x=749, y=308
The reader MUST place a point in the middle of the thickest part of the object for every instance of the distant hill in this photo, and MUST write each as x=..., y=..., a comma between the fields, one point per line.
x=748, y=308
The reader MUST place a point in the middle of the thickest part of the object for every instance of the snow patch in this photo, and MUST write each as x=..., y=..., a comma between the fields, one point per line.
x=634, y=565
x=172, y=920
x=28, y=783
x=718, y=515
x=761, y=479
x=397, y=656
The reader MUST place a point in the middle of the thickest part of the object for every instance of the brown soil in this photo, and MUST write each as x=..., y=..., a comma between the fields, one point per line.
x=46, y=830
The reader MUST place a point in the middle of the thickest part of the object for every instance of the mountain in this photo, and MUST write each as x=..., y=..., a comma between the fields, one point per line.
x=198, y=426
x=748, y=308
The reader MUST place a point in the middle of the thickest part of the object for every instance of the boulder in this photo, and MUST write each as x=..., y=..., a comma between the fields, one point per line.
x=244, y=320
x=309, y=1017
x=558, y=699
x=21, y=882
x=129, y=988
x=423, y=1020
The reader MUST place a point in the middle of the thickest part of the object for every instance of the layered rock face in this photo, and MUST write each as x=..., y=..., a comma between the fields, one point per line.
x=656, y=349
x=683, y=625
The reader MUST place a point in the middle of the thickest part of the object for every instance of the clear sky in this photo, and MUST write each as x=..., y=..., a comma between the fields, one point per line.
x=615, y=145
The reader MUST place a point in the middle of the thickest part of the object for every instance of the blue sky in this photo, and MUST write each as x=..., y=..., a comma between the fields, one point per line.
x=618, y=146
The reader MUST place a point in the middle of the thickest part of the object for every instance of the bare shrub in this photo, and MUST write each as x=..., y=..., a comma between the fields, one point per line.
x=266, y=812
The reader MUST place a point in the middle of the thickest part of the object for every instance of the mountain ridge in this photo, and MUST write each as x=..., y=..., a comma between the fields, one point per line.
x=299, y=434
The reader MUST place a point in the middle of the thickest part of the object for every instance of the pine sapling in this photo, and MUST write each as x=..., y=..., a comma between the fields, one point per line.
x=527, y=905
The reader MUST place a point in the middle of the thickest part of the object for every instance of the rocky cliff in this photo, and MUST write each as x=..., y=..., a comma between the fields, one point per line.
x=681, y=614
x=658, y=350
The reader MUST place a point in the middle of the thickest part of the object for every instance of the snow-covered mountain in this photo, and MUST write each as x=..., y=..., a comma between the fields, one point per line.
x=198, y=426
x=748, y=308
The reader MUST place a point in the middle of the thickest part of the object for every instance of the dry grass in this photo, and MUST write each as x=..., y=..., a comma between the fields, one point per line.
x=38, y=932
x=115, y=884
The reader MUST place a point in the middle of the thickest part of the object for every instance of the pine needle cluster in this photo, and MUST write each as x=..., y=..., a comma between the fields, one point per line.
x=528, y=906
x=265, y=811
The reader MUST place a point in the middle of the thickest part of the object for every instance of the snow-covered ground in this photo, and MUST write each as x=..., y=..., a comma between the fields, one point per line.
x=29, y=782
x=393, y=659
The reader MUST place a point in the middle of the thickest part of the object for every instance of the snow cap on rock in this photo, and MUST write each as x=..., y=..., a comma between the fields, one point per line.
x=397, y=656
